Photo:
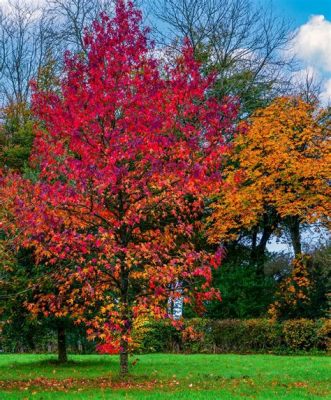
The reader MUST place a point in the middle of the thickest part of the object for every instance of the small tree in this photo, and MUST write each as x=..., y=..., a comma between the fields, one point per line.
x=294, y=292
x=127, y=153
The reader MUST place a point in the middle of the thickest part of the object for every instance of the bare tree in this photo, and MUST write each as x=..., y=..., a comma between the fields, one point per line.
x=25, y=41
x=32, y=36
x=243, y=42
x=309, y=87
x=72, y=16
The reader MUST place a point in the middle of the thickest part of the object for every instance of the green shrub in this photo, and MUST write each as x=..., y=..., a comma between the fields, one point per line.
x=162, y=337
x=261, y=334
x=246, y=335
x=305, y=334
x=194, y=335
x=238, y=336
x=324, y=334
x=197, y=336
x=228, y=335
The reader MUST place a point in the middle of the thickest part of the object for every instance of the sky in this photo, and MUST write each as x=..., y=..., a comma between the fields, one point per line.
x=300, y=10
x=311, y=19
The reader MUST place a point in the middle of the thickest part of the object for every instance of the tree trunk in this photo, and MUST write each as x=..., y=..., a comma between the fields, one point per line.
x=259, y=248
x=126, y=321
x=124, y=358
x=124, y=345
x=30, y=340
x=61, y=344
x=294, y=226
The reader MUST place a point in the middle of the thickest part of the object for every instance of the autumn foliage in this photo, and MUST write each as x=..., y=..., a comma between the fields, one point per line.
x=294, y=292
x=126, y=153
x=137, y=175
x=280, y=162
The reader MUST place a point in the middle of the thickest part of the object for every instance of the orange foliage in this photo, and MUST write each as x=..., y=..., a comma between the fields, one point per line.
x=294, y=290
x=282, y=161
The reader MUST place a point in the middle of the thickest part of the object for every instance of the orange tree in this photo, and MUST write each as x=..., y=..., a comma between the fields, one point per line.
x=127, y=153
x=294, y=293
x=279, y=172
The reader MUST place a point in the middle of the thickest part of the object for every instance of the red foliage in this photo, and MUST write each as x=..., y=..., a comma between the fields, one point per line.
x=108, y=348
x=127, y=153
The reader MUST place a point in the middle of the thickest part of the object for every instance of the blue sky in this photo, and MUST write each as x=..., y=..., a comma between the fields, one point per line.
x=312, y=46
x=300, y=10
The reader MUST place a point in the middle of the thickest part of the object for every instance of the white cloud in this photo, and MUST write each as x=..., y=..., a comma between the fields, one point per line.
x=312, y=43
x=305, y=73
x=325, y=95
x=7, y=6
x=312, y=46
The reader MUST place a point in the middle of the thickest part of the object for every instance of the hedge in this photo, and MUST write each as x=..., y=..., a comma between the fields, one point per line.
x=237, y=336
x=195, y=336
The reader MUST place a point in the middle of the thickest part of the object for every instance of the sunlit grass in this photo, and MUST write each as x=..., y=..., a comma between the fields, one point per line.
x=166, y=376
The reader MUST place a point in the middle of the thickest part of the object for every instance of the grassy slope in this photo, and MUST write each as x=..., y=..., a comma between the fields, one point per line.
x=189, y=376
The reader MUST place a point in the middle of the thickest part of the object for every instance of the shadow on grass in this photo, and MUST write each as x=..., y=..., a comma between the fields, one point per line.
x=101, y=368
x=100, y=364
x=73, y=363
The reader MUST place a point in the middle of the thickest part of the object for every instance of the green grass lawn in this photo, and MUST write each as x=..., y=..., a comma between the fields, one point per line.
x=166, y=376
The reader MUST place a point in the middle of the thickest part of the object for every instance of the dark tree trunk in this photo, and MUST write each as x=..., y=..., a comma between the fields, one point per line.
x=30, y=340
x=126, y=321
x=61, y=344
x=124, y=284
x=294, y=227
x=124, y=357
x=259, y=249
x=270, y=222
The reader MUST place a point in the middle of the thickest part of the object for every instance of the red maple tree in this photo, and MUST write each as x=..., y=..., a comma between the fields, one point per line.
x=127, y=152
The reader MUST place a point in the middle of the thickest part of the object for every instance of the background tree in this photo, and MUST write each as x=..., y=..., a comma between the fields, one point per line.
x=246, y=293
x=283, y=164
x=243, y=42
x=72, y=17
x=25, y=40
x=25, y=284
x=320, y=273
x=16, y=136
